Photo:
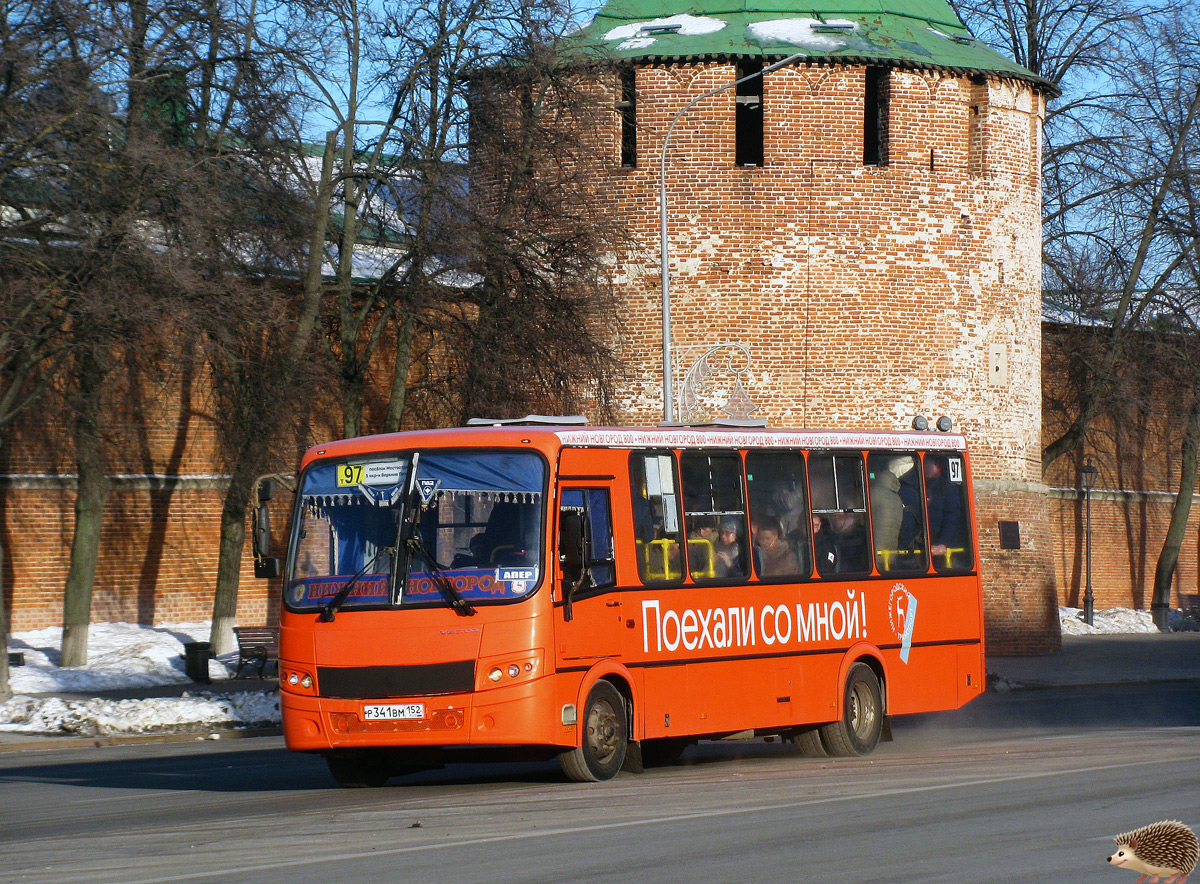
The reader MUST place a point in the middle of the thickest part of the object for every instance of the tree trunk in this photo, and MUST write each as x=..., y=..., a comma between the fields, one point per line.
x=90, y=495
x=404, y=339
x=5, y=689
x=237, y=495
x=1168, y=558
x=229, y=560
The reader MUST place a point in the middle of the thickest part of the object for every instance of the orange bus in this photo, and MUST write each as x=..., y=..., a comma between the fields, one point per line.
x=612, y=595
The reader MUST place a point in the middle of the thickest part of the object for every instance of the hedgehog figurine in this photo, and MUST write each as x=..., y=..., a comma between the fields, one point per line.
x=1168, y=850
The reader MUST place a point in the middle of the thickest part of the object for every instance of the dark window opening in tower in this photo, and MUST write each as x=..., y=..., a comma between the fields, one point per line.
x=748, y=116
x=977, y=128
x=875, y=117
x=628, y=108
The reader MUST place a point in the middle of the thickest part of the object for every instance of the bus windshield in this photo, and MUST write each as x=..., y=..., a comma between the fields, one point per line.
x=476, y=516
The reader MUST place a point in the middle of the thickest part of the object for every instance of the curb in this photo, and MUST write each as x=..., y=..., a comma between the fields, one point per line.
x=18, y=741
x=1013, y=687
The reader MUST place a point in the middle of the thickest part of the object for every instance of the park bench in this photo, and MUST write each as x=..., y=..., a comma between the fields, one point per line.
x=258, y=645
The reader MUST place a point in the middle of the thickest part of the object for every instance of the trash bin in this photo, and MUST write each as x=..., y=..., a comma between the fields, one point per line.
x=195, y=660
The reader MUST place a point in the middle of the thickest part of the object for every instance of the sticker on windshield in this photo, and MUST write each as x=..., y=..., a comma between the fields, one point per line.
x=385, y=472
x=428, y=488
x=518, y=579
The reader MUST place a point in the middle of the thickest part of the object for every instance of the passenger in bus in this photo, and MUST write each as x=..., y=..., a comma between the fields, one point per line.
x=888, y=513
x=887, y=510
x=703, y=528
x=775, y=557
x=823, y=546
x=788, y=507
x=912, y=535
x=477, y=555
x=850, y=539
x=702, y=546
x=946, y=516
x=729, y=549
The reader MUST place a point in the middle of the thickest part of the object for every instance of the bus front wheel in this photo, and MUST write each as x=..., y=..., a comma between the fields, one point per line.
x=858, y=731
x=605, y=737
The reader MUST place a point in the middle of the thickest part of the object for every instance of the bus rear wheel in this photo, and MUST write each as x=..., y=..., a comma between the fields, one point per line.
x=808, y=741
x=361, y=769
x=861, y=724
x=605, y=737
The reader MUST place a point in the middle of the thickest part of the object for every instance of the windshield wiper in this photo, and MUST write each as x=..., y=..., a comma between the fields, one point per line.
x=342, y=594
x=460, y=605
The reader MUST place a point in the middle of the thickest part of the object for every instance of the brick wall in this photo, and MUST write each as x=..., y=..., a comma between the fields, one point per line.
x=1135, y=443
x=158, y=551
x=864, y=295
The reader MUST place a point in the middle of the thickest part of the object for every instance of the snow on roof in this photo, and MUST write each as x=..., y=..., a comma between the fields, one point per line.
x=803, y=32
x=919, y=34
x=687, y=25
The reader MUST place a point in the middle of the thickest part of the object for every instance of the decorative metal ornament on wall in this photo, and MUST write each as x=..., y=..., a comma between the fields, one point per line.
x=717, y=374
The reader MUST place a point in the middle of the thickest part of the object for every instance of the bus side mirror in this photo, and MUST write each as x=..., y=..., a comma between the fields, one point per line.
x=266, y=566
x=572, y=554
x=262, y=531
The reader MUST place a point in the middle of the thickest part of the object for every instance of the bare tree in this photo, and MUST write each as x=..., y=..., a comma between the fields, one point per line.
x=1120, y=220
x=412, y=301
x=144, y=193
x=543, y=311
x=1106, y=187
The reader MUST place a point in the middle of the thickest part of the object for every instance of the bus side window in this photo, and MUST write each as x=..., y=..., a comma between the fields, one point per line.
x=597, y=517
x=656, y=527
x=949, y=514
x=897, y=516
x=779, y=514
x=839, y=513
x=715, y=513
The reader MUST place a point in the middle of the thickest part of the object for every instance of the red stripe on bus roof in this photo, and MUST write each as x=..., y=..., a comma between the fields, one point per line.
x=696, y=438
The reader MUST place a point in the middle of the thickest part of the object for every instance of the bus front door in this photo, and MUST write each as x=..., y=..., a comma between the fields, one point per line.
x=588, y=615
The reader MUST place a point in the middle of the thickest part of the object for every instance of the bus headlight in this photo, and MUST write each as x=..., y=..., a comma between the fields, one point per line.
x=512, y=669
x=296, y=680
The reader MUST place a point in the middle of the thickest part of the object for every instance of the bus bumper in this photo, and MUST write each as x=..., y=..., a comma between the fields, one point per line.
x=521, y=715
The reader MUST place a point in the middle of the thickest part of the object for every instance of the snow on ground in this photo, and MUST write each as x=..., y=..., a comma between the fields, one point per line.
x=124, y=656
x=1119, y=620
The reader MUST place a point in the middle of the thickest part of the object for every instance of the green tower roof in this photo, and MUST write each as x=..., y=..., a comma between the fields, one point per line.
x=905, y=33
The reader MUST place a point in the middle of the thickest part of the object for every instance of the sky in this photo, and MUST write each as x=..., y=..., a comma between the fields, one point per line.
x=123, y=655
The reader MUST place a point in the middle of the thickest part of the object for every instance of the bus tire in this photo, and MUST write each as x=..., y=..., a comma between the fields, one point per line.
x=605, y=737
x=808, y=741
x=361, y=769
x=858, y=731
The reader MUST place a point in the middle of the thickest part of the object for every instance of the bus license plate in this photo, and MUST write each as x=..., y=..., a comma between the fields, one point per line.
x=394, y=712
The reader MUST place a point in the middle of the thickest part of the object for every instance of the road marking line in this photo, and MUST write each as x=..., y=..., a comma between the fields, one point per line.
x=626, y=824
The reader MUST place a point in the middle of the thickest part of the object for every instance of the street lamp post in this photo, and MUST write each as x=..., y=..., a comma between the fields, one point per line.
x=664, y=257
x=1087, y=479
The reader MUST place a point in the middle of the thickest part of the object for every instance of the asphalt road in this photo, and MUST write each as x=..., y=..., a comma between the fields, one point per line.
x=1028, y=786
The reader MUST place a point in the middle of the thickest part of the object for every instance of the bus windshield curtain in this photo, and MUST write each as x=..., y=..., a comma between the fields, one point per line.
x=483, y=473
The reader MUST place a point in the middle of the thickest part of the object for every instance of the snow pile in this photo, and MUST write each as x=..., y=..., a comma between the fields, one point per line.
x=124, y=656
x=101, y=717
x=1120, y=620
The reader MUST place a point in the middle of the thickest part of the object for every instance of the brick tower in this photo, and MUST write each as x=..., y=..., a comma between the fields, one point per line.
x=853, y=240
